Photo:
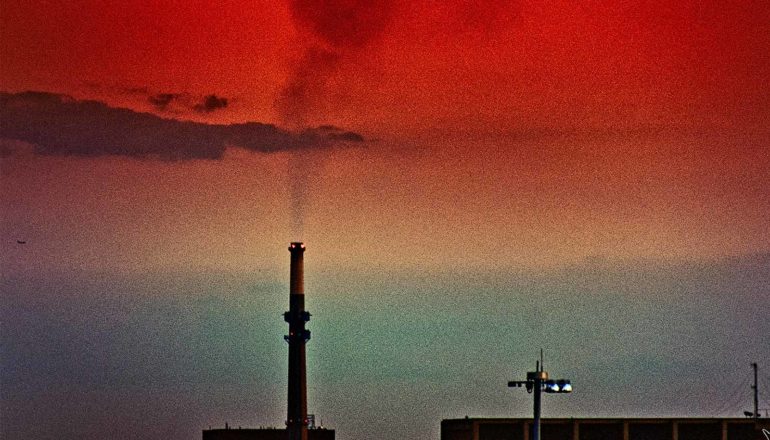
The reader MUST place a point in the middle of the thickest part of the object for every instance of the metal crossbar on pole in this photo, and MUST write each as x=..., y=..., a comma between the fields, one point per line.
x=538, y=382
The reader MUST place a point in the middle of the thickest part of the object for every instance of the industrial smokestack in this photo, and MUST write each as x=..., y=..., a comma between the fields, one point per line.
x=297, y=420
x=297, y=275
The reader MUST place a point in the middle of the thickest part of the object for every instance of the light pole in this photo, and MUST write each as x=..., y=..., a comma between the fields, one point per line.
x=538, y=382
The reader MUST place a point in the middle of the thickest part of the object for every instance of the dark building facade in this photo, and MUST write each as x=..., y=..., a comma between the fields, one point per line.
x=263, y=434
x=606, y=429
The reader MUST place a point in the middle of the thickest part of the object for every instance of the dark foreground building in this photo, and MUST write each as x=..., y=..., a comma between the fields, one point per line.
x=606, y=429
x=264, y=434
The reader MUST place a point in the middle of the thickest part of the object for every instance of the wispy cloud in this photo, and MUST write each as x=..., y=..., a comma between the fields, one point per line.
x=60, y=125
x=210, y=103
x=161, y=100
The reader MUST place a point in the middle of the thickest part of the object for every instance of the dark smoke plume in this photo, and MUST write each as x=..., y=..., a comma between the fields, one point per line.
x=305, y=84
x=337, y=31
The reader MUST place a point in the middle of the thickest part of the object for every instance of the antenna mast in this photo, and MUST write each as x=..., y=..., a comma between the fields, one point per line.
x=756, y=391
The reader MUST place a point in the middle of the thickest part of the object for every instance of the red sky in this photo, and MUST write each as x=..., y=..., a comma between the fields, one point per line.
x=601, y=128
x=497, y=63
x=500, y=137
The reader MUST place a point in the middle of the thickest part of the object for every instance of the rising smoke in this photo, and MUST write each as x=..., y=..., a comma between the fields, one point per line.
x=335, y=31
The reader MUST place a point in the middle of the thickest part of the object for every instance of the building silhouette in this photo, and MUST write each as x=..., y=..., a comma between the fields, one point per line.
x=607, y=429
x=263, y=434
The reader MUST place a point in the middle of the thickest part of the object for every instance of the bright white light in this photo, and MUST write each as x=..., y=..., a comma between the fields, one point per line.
x=566, y=386
x=551, y=387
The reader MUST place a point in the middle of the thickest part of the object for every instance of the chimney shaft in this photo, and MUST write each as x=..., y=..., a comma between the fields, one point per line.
x=296, y=420
x=297, y=271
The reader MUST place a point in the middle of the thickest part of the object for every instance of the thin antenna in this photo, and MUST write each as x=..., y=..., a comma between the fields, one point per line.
x=542, y=365
x=756, y=391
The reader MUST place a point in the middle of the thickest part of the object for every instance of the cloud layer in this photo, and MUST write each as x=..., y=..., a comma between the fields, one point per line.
x=60, y=125
x=162, y=100
x=211, y=103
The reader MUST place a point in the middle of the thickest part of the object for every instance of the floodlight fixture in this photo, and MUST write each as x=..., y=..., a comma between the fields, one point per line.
x=538, y=382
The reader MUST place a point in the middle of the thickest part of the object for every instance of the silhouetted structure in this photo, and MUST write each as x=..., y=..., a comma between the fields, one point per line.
x=606, y=429
x=538, y=382
x=263, y=434
x=297, y=420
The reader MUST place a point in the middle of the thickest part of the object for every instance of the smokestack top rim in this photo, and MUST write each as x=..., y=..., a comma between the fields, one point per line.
x=297, y=246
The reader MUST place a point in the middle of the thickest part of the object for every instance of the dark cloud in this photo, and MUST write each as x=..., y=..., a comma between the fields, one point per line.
x=337, y=133
x=59, y=125
x=210, y=103
x=161, y=100
x=205, y=104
